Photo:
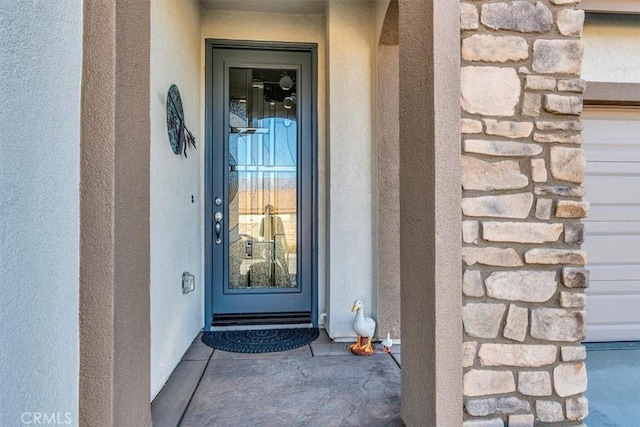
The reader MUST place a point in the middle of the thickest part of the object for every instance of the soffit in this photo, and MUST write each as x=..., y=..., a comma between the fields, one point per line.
x=298, y=7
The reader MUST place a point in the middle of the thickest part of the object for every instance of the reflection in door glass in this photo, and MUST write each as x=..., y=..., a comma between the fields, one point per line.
x=263, y=146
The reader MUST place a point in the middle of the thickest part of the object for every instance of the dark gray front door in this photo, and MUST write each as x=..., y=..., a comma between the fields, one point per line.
x=260, y=166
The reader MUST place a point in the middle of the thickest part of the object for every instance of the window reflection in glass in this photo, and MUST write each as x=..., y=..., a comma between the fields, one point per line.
x=262, y=150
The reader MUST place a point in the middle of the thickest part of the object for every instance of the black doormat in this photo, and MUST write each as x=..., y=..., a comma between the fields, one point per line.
x=260, y=340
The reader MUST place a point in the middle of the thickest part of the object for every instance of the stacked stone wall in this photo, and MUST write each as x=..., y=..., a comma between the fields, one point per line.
x=523, y=166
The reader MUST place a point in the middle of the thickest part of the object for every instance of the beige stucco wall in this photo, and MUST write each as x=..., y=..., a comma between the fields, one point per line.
x=351, y=162
x=612, y=52
x=175, y=219
x=114, y=215
x=388, y=194
x=430, y=243
x=259, y=26
x=388, y=170
x=346, y=243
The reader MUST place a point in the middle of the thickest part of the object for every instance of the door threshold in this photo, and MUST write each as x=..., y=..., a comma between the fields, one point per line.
x=261, y=327
x=252, y=319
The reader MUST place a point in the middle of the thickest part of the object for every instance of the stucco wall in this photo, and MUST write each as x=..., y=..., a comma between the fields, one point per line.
x=114, y=214
x=40, y=65
x=351, y=162
x=430, y=213
x=612, y=53
x=176, y=210
x=288, y=28
x=346, y=164
x=388, y=171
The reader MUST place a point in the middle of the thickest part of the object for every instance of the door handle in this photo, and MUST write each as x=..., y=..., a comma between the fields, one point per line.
x=218, y=226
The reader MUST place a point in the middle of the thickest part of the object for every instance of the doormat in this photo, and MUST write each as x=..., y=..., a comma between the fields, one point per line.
x=260, y=340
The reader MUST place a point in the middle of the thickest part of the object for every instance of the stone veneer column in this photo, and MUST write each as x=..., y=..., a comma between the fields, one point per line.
x=523, y=166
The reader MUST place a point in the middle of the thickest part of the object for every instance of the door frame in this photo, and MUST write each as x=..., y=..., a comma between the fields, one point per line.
x=210, y=45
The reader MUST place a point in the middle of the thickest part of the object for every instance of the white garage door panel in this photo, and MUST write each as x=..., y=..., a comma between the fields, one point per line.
x=613, y=288
x=630, y=214
x=612, y=249
x=631, y=169
x=612, y=152
x=615, y=227
x=612, y=181
x=610, y=125
x=611, y=305
x=604, y=317
x=612, y=332
x=628, y=274
x=619, y=190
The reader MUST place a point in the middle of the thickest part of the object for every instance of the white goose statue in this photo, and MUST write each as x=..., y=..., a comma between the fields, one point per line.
x=364, y=327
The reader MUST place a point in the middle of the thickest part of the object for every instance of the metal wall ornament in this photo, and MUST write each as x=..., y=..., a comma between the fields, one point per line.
x=179, y=135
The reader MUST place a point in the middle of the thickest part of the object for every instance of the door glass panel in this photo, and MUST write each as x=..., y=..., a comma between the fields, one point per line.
x=263, y=176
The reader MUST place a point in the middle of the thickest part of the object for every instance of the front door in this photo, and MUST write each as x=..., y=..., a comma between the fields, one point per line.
x=260, y=166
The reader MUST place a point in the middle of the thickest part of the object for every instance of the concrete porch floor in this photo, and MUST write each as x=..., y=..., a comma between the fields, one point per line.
x=324, y=385
x=321, y=384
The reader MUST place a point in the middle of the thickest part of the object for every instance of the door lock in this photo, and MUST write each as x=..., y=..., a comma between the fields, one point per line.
x=218, y=226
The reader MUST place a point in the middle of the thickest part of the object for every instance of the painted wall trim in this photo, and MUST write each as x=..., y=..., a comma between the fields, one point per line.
x=610, y=6
x=607, y=93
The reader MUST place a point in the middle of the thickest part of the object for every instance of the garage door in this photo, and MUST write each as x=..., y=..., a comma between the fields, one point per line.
x=612, y=145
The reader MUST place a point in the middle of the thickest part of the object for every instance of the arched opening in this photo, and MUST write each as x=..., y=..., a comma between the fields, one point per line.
x=388, y=196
